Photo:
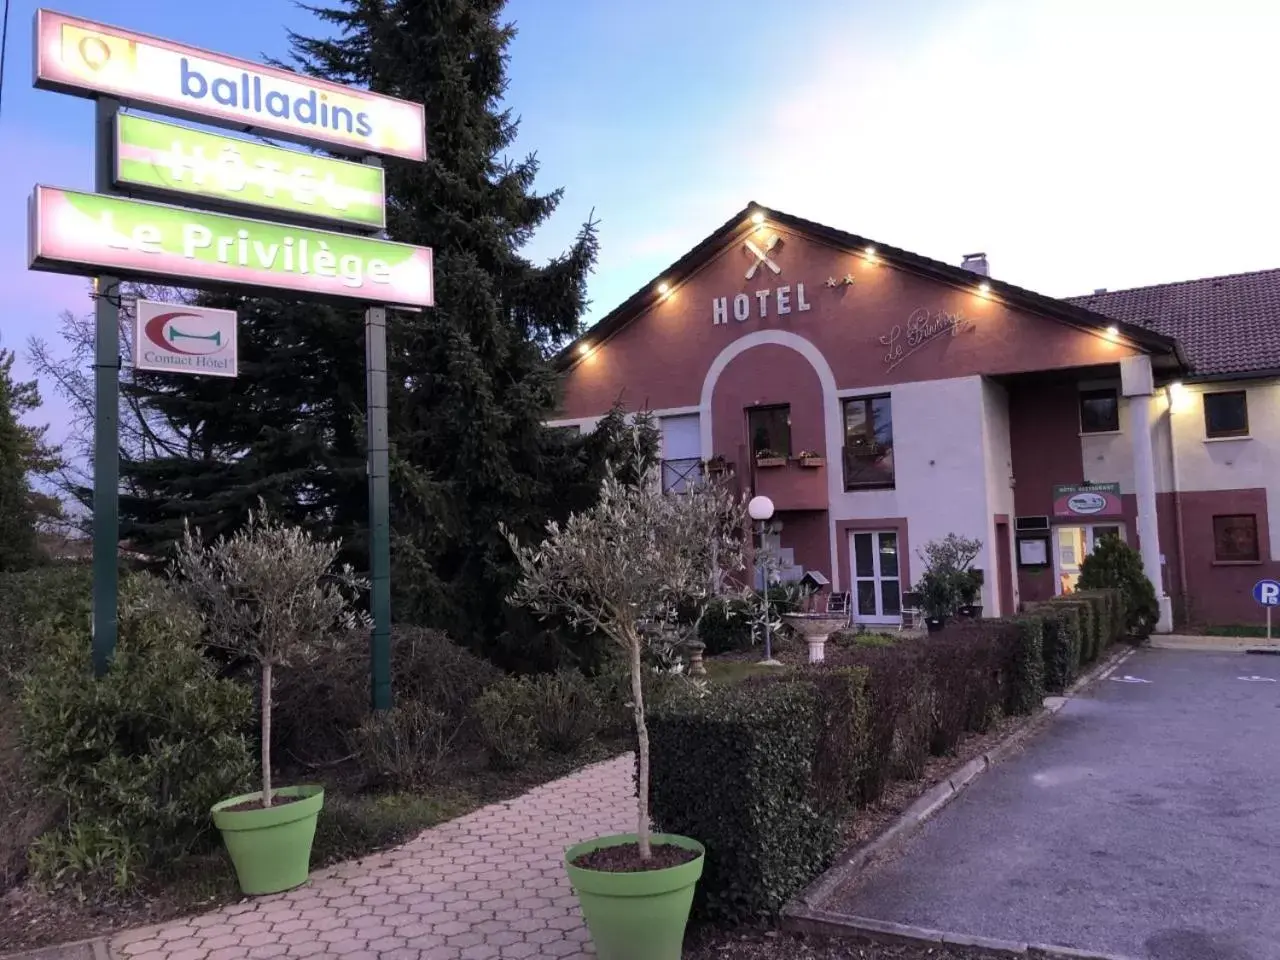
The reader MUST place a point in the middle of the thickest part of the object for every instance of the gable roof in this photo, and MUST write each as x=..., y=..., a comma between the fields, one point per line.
x=1166, y=351
x=1229, y=326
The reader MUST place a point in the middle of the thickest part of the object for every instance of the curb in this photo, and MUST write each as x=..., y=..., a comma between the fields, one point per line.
x=822, y=923
x=95, y=948
x=851, y=863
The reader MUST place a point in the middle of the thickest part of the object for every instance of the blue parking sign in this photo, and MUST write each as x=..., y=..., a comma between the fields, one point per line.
x=1267, y=593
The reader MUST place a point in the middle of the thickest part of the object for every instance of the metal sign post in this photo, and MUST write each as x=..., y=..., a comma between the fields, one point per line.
x=375, y=347
x=1267, y=594
x=106, y=420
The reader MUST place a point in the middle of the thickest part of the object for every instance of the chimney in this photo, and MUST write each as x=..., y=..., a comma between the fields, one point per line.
x=976, y=263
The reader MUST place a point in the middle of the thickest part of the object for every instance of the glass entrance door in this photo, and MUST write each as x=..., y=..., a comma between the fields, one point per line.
x=1073, y=544
x=877, y=584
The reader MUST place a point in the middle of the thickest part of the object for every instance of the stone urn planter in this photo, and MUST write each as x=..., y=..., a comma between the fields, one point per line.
x=815, y=628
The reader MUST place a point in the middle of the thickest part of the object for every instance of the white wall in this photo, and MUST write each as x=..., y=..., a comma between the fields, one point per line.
x=999, y=469
x=1229, y=464
x=940, y=465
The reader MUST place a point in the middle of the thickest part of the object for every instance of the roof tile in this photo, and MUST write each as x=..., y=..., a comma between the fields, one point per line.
x=1226, y=325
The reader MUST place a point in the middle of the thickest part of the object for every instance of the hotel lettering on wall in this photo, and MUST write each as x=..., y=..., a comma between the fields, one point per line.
x=770, y=301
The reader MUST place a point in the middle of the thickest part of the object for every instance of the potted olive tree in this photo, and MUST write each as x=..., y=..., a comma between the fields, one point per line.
x=269, y=593
x=949, y=585
x=620, y=568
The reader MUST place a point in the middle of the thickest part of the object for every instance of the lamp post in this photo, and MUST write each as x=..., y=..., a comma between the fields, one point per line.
x=760, y=509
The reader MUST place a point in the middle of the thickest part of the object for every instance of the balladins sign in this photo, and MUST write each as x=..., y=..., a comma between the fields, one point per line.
x=91, y=59
x=73, y=232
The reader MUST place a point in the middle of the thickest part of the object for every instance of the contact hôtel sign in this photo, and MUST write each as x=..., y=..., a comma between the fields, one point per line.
x=92, y=59
x=152, y=157
x=175, y=338
x=71, y=231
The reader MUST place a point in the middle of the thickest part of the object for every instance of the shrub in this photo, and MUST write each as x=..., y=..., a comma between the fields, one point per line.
x=506, y=729
x=964, y=667
x=565, y=709
x=1116, y=565
x=613, y=687
x=405, y=747
x=54, y=597
x=1085, y=618
x=138, y=756
x=324, y=699
x=1024, y=676
x=1061, y=646
x=725, y=625
x=735, y=768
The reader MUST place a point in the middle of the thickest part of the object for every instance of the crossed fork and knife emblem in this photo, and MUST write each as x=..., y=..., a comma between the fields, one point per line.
x=762, y=257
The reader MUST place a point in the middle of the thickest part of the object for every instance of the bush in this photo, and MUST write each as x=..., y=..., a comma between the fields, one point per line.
x=406, y=747
x=1116, y=565
x=320, y=702
x=725, y=625
x=964, y=668
x=1024, y=676
x=565, y=709
x=32, y=604
x=506, y=729
x=613, y=687
x=1089, y=648
x=558, y=712
x=735, y=769
x=1061, y=647
x=138, y=756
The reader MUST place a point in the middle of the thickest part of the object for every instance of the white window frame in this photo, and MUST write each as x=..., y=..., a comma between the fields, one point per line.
x=880, y=617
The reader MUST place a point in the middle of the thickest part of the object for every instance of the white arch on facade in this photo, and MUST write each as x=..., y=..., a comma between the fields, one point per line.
x=830, y=409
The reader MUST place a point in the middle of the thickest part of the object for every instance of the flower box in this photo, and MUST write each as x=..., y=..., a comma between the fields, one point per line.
x=813, y=461
x=771, y=462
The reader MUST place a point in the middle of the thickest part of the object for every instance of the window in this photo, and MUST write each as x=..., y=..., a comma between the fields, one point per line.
x=1099, y=411
x=868, y=442
x=1235, y=538
x=681, y=453
x=770, y=430
x=1226, y=414
x=877, y=583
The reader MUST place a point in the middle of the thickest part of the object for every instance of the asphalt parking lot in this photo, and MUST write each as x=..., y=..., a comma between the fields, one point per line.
x=1143, y=821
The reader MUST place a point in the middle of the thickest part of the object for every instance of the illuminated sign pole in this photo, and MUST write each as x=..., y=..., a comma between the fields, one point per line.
x=74, y=232
x=106, y=421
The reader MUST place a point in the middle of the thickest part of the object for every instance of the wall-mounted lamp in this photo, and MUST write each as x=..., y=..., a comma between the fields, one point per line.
x=664, y=288
x=984, y=289
x=757, y=218
x=869, y=253
x=1113, y=331
x=584, y=349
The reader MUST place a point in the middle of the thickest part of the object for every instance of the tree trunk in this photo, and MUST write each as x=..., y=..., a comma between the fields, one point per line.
x=266, y=734
x=642, y=741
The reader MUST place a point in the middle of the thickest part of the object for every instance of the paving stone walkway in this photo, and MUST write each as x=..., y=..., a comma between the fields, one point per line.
x=488, y=885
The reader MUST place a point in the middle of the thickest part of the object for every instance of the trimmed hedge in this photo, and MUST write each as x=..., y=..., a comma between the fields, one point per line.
x=1024, y=665
x=1061, y=645
x=736, y=770
x=1089, y=647
x=767, y=772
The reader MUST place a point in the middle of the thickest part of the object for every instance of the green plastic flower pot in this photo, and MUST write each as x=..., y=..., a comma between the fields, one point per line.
x=636, y=916
x=271, y=848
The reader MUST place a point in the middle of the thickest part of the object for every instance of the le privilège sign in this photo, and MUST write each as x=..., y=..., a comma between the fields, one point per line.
x=73, y=231
x=89, y=59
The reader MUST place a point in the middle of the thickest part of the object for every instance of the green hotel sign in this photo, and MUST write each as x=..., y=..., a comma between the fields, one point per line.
x=165, y=158
x=77, y=232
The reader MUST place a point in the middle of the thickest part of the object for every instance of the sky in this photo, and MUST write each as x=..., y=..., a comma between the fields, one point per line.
x=1079, y=143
